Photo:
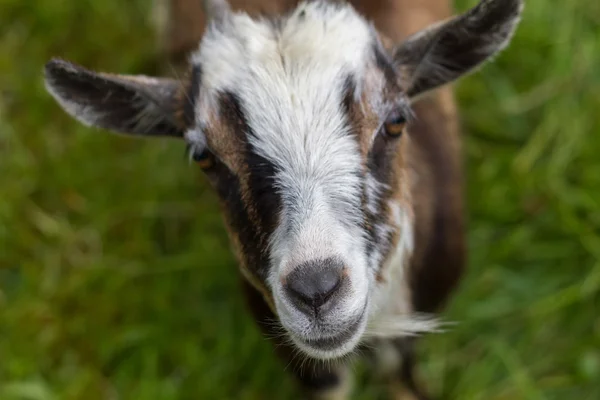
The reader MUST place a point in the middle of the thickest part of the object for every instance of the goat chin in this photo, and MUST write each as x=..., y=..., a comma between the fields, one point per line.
x=392, y=327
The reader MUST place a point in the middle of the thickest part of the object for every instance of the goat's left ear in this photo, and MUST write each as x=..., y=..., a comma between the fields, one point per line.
x=136, y=105
x=452, y=48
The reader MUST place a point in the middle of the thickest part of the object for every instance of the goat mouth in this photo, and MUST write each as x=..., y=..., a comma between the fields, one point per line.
x=334, y=343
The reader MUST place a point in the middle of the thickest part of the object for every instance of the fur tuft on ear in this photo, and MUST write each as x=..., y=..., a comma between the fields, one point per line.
x=452, y=48
x=137, y=105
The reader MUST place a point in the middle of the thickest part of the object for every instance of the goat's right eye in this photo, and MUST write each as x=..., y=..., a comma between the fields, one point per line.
x=201, y=156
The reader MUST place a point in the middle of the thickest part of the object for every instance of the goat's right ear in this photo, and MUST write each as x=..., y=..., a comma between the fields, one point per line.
x=136, y=105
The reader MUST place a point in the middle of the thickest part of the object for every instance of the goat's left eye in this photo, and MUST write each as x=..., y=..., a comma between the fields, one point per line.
x=394, y=125
x=200, y=156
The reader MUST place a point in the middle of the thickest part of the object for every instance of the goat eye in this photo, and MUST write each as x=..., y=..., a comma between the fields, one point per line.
x=201, y=156
x=394, y=125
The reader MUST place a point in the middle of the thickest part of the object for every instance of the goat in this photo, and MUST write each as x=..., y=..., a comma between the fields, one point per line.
x=336, y=163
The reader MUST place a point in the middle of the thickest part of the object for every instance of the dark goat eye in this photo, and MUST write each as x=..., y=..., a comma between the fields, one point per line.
x=394, y=125
x=201, y=156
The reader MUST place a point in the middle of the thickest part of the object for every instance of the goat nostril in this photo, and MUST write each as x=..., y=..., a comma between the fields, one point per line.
x=314, y=283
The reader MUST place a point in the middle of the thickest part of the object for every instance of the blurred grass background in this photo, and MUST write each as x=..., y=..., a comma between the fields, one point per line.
x=116, y=281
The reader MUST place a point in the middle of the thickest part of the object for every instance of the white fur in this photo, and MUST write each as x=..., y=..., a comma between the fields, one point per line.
x=84, y=114
x=92, y=115
x=392, y=314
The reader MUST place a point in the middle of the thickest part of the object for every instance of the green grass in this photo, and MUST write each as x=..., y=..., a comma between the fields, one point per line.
x=116, y=280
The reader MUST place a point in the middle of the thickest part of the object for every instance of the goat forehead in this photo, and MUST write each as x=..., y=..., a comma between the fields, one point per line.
x=290, y=78
x=301, y=54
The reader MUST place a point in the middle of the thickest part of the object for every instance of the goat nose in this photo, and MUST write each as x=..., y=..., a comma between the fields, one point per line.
x=312, y=284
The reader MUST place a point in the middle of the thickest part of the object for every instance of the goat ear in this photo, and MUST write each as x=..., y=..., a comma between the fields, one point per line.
x=136, y=105
x=452, y=48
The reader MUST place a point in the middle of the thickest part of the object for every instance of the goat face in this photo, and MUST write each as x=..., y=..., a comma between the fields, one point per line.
x=291, y=120
x=298, y=125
